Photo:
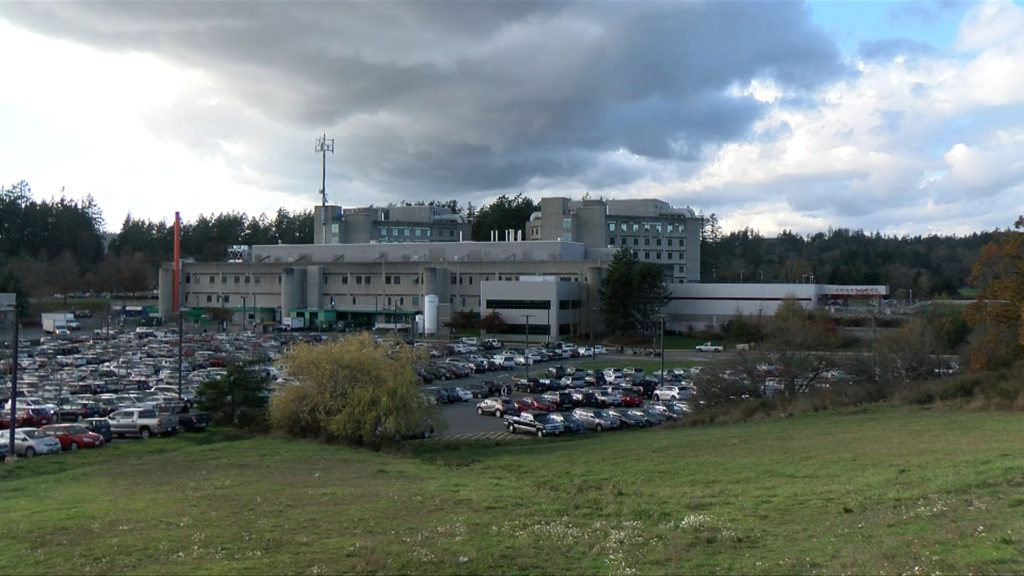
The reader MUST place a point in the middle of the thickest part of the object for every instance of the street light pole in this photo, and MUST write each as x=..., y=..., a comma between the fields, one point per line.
x=11, y=453
x=662, y=376
x=181, y=326
x=526, y=355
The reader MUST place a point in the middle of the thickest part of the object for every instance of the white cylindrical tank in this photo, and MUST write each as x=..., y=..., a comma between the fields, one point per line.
x=430, y=314
x=419, y=324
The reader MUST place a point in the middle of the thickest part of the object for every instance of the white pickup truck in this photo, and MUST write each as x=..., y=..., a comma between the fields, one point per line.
x=709, y=347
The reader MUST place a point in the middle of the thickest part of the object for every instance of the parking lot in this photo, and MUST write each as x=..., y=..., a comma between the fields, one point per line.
x=121, y=366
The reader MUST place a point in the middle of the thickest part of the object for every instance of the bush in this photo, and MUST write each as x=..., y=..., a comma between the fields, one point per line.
x=354, y=391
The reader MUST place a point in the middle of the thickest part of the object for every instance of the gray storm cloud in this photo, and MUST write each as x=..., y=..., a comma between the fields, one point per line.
x=467, y=97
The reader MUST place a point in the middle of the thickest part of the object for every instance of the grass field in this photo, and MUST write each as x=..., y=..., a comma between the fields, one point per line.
x=879, y=490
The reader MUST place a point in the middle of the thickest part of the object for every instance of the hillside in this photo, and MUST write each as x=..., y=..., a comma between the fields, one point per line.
x=883, y=490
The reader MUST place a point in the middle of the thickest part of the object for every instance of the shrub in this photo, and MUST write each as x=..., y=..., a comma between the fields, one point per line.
x=354, y=391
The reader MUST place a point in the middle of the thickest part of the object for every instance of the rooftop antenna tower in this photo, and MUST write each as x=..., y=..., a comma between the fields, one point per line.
x=323, y=146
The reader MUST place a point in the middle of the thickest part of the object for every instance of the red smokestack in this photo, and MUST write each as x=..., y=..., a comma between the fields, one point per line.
x=177, y=262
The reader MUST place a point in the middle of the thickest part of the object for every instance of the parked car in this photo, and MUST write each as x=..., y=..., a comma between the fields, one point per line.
x=672, y=393
x=100, y=426
x=78, y=411
x=596, y=419
x=539, y=404
x=30, y=417
x=30, y=441
x=533, y=422
x=627, y=417
x=73, y=436
x=652, y=416
x=569, y=422
x=143, y=422
x=497, y=406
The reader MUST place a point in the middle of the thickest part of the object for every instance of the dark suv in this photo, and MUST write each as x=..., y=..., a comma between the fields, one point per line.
x=100, y=426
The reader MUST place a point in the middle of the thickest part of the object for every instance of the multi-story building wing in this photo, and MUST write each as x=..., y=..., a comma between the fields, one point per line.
x=653, y=230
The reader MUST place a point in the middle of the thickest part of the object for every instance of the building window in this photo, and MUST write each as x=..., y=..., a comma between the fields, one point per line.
x=398, y=279
x=566, y=223
x=636, y=227
x=401, y=301
x=209, y=298
x=647, y=255
x=325, y=279
x=567, y=237
x=213, y=279
x=623, y=227
x=415, y=300
x=223, y=279
x=668, y=241
x=611, y=226
x=657, y=255
x=611, y=239
x=647, y=241
x=188, y=279
x=344, y=278
x=359, y=279
x=367, y=279
x=237, y=279
x=226, y=298
x=256, y=279
x=387, y=279
x=668, y=229
x=636, y=241
x=681, y=269
x=248, y=279
x=647, y=227
x=682, y=242
x=622, y=241
x=353, y=300
x=455, y=279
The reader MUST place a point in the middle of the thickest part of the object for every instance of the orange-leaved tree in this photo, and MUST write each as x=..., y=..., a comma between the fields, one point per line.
x=997, y=315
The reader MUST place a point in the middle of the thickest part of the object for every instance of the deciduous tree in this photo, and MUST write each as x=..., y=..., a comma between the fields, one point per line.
x=997, y=314
x=353, y=390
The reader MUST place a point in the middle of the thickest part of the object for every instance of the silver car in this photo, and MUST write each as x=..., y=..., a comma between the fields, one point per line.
x=30, y=441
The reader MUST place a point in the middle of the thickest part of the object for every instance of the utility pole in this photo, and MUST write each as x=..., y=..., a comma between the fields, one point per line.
x=526, y=355
x=9, y=302
x=323, y=146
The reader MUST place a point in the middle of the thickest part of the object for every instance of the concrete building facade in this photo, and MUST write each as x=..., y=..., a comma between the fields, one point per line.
x=548, y=287
x=388, y=225
x=652, y=229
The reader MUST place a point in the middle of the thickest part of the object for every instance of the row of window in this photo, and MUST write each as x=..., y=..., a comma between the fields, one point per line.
x=657, y=227
x=623, y=240
x=657, y=255
x=239, y=278
x=226, y=299
x=410, y=232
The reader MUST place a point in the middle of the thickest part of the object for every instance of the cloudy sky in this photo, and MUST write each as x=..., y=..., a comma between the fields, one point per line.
x=896, y=117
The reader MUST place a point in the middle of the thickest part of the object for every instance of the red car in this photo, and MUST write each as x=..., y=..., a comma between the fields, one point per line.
x=73, y=436
x=537, y=404
x=30, y=417
x=631, y=399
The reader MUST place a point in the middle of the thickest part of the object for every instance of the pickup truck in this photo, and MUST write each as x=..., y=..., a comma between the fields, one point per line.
x=142, y=422
x=539, y=423
x=189, y=420
x=709, y=347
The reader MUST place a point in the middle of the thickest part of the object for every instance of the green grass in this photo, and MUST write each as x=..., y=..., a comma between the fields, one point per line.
x=879, y=490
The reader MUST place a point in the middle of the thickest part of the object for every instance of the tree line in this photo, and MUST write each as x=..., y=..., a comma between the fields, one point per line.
x=59, y=246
